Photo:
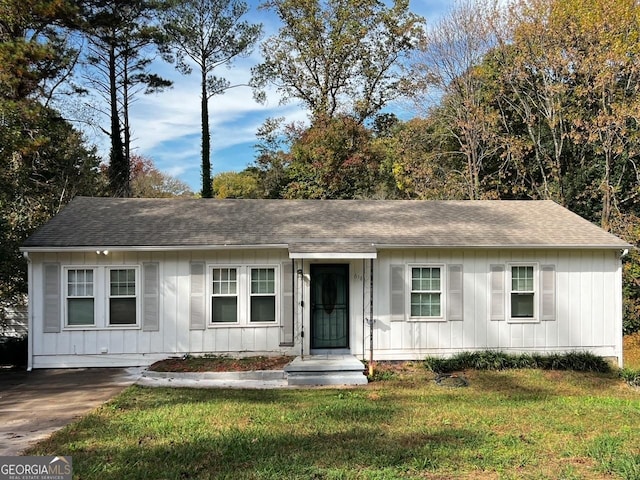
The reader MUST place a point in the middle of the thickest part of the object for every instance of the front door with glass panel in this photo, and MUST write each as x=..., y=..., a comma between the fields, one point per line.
x=329, y=306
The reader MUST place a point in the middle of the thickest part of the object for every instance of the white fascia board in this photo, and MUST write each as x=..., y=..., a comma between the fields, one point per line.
x=332, y=255
x=139, y=248
x=502, y=247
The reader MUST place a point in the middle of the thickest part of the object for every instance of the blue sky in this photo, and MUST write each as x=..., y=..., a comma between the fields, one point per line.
x=166, y=126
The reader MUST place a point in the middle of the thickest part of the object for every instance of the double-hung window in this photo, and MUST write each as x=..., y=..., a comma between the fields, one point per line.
x=263, y=295
x=522, y=295
x=426, y=292
x=80, y=297
x=224, y=297
x=122, y=296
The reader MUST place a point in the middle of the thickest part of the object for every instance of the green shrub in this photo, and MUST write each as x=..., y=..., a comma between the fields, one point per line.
x=13, y=351
x=632, y=377
x=497, y=360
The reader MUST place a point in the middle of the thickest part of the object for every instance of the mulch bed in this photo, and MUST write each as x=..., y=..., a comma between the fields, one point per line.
x=220, y=364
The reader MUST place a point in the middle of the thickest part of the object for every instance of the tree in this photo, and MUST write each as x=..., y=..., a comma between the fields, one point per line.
x=34, y=52
x=335, y=159
x=43, y=160
x=603, y=50
x=447, y=68
x=121, y=41
x=566, y=80
x=209, y=33
x=420, y=163
x=243, y=184
x=149, y=182
x=338, y=57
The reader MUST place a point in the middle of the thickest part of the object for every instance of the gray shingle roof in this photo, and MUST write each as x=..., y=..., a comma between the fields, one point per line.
x=199, y=223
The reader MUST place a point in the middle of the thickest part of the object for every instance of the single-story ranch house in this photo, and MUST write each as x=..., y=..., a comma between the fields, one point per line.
x=126, y=282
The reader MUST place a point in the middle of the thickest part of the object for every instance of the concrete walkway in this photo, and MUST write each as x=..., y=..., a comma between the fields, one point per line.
x=35, y=404
x=259, y=379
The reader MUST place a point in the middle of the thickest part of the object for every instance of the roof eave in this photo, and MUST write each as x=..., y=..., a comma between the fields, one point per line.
x=508, y=247
x=150, y=248
x=377, y=246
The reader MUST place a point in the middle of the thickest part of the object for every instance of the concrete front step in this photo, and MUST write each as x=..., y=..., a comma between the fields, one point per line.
x=326, y=370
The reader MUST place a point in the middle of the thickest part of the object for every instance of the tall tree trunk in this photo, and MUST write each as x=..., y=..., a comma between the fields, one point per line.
x=118, y=171
x=126, y=129
x=207, y=187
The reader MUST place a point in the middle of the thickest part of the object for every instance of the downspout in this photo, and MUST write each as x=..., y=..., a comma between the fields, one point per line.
x=301, y=277
x=293, y=302
x=371, y=320
x=29, y=312
x=363, y=311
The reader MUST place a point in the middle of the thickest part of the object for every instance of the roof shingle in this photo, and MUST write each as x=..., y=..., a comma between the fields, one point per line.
x=205, y=223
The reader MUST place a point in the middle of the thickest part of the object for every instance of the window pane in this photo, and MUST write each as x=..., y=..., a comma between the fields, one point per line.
x=80, y=311
x=123, y=282
x=522, y=305
x=425, y=279
x=224, y=309
x=80, y=283
x=263, y=281
x=263, y=309
x=122, y=311
x=224, y=281
x=522, y=279
x=425, y=305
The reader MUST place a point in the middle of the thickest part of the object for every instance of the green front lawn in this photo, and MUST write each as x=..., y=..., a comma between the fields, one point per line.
x=510, y=424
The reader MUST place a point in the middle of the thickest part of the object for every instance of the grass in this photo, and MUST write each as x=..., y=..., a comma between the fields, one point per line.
x=512, y=424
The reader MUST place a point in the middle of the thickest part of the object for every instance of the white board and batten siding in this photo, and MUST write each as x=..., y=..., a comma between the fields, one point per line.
x=174, y=306
x=578, y=300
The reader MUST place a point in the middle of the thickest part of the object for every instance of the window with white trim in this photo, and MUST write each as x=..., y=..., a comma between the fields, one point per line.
x=123, y=301
x=80, y=301
x=263, y=295
x=522, y=294
x=426, y=292
x=224, y=295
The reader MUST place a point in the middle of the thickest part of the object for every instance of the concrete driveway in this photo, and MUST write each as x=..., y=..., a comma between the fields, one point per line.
x=35, y=404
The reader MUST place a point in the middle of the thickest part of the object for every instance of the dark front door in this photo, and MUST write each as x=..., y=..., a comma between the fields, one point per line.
x=329, y=306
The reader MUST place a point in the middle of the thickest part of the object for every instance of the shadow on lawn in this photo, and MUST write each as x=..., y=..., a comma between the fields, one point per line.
x=242, y=454
x=536, y=385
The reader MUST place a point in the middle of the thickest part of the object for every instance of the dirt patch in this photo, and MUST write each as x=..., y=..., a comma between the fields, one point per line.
x=221, y=364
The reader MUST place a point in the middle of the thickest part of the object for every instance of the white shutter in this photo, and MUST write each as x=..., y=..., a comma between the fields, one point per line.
x=51, y=302
x=455, y=307
x=286, y=322
x=396, y=290
x=496, y=288
x=151, y=297
x=548, y=292
x=196, y=297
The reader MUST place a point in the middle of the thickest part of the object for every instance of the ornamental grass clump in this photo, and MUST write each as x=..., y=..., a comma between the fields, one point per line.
x=497, y=360
x=632, y=377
